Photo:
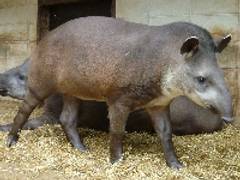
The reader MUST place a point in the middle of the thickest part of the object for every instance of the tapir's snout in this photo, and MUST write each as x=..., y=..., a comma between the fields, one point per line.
x=227, y=117
x=225, y=107
x=220, y=102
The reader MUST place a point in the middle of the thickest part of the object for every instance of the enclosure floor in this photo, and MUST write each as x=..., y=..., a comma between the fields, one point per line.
x=45, y=154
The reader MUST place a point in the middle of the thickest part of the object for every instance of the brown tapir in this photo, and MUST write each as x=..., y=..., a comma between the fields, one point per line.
x=186, y=117
x=129, y=66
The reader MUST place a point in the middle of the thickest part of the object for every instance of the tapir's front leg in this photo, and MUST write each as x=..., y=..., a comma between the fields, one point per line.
x=118, y=114
x=162, y=126
x=26, y=108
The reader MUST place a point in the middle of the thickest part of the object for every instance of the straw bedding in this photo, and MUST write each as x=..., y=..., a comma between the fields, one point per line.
x=45, y=154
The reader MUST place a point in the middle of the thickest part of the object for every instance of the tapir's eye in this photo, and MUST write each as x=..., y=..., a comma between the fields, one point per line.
x=201, y=79
x=21, y=77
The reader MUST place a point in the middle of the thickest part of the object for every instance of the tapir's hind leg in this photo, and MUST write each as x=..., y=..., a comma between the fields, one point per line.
x=26, y=108
x=68, y=121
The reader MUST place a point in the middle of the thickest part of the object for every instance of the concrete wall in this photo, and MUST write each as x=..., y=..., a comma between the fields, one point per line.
x=208, y=13
x=18, y=31
x=218, y=16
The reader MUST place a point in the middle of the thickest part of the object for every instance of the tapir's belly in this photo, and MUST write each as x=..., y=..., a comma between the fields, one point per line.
x=83, y=90
x=86, y=86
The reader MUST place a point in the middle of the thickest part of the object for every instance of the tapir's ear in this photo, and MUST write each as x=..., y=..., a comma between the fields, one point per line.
x=222, y=43
x=190, y=45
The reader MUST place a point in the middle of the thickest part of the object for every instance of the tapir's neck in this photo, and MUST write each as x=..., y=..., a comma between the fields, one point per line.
x=169, y=87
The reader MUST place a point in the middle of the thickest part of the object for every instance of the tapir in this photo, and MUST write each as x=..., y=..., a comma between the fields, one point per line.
x=129, y=66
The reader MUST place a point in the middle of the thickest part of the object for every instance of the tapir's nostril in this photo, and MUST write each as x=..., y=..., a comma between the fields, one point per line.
x=227, y=119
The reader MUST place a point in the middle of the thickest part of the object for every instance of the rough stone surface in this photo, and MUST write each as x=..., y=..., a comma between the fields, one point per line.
x=134, y=10
x=18, y=30
x=231, y=76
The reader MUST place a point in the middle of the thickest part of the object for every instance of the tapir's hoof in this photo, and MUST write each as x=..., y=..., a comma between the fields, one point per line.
x=175, y=165
x=116, y=158
x=11, y=140
x=80, y=147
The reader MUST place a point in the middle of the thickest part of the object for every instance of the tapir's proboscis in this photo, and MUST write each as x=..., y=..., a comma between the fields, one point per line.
x=130, y=67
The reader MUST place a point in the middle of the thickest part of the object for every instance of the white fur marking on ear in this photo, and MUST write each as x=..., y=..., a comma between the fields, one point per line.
x=187, y=48
x=227, y=36
x=192, y=37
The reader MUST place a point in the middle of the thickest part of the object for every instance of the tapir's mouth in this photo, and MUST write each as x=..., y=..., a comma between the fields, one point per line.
x=224, y=118
x=3, y=92
x=227, y=119
x=6, y=92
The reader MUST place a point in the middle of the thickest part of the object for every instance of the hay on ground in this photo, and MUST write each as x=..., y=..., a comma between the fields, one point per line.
x=45, y=154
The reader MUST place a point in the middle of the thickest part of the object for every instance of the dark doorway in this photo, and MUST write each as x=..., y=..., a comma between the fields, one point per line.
x=53, y=13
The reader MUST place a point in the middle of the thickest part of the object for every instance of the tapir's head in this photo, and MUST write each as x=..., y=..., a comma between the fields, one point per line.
x=201, y=78
x=13, y=82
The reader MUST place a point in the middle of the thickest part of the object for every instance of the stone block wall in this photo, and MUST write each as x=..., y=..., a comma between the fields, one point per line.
x=18, y=31
x=208, y=13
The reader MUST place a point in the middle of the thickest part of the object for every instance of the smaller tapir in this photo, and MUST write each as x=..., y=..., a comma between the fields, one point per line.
x=13, y=82
x=129, y=66
x=186, y=117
